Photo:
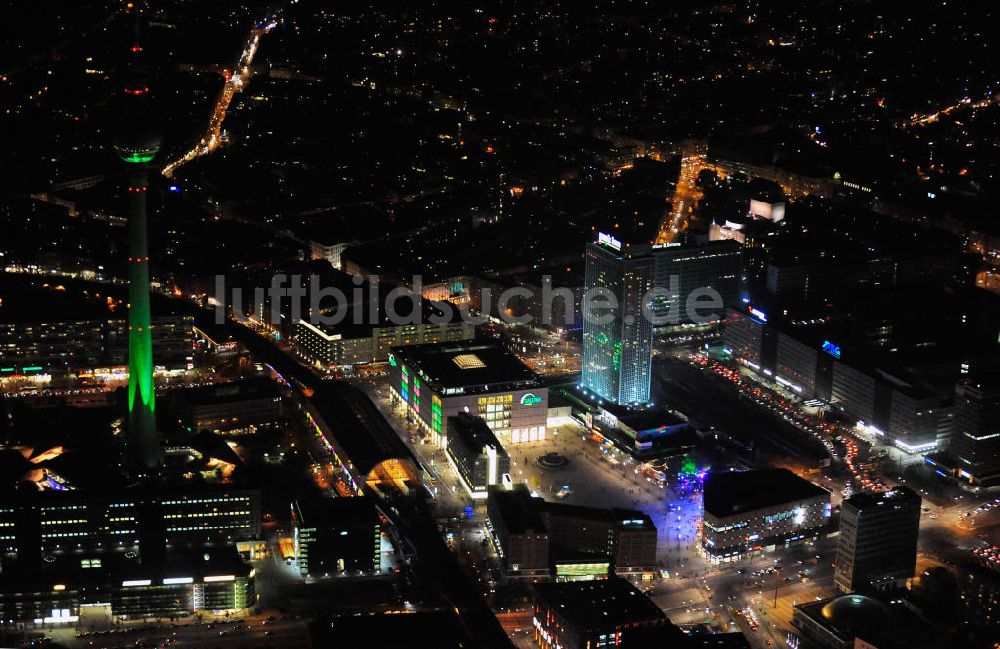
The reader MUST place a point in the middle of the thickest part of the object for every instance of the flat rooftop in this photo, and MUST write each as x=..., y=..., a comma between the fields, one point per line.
x=468, y=365
x=341, y=512
x=599, y=604
x=520, y=511
x=737, y=492
x=474, y=432
x=523, y=512
x=895, y=495
x=221, y=393
x=624, y=518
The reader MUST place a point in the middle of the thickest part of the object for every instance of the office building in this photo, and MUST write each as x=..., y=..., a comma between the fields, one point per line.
x=854, y=392
x=877, y=546
x=520, y=535
x=744, y=335
x=978, y=596
x=975, y=442
x=591, y=614
x=374, y=321
x=749, y=512
x=886, y=400
x=54, y=333
x=437, y=381
x=142, y=521
x=218, y=581
x=336, y=536
x=477, y=455
x=28, y=346
x=533, y=535
x=239, y=408
x=172, y=338
x=339, y=346
x=618, y=343
x=222, y=583
x=917, y=418
x=796, y=365
x=686, y=270
x=625, y=537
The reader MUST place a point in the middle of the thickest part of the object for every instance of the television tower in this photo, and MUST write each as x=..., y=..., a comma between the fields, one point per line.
x=137, y=144
x=143, y=451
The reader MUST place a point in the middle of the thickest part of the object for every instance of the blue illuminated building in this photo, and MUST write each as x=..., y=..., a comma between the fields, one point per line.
x=618, y=342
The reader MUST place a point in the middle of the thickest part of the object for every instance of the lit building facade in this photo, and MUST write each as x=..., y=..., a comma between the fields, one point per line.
x=89, y=525
x=749, y=512
x=335, y=349
x=692, y=270
x=477, y=455
x=519, y=532
x=744, y=335
x=618, y=344
x=591, y=614
x=975, y=442
x=176, y=596
x=437, y=381
x=74, y=345
x=530, y=532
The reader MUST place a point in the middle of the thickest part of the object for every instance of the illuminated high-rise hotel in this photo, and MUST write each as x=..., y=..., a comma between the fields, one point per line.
x=618, y=343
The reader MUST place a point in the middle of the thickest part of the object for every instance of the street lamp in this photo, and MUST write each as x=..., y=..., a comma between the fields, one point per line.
x=777, y=582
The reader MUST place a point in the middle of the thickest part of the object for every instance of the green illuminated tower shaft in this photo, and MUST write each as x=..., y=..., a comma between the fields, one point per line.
x=142, y=444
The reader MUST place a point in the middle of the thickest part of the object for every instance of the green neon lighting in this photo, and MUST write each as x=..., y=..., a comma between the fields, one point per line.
x=392, y=360
x=142, y=441
x=601, y=337
x=34, y=368
x=530, y=399
x=616, y=360
x=406, y=371
x=139, y=156
x=6, y=369
x=581, y=569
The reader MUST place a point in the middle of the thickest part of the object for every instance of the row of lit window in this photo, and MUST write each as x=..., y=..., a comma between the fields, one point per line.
x=206, y=501
x=207, y=514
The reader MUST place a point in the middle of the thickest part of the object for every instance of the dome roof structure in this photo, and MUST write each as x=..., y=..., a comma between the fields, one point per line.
x=856, y=613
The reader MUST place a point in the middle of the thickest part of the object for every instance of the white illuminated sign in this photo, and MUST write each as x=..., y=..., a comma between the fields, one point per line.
x=608, y=240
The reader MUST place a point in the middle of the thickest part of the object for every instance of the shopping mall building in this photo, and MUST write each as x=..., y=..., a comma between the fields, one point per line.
x=439, y=380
